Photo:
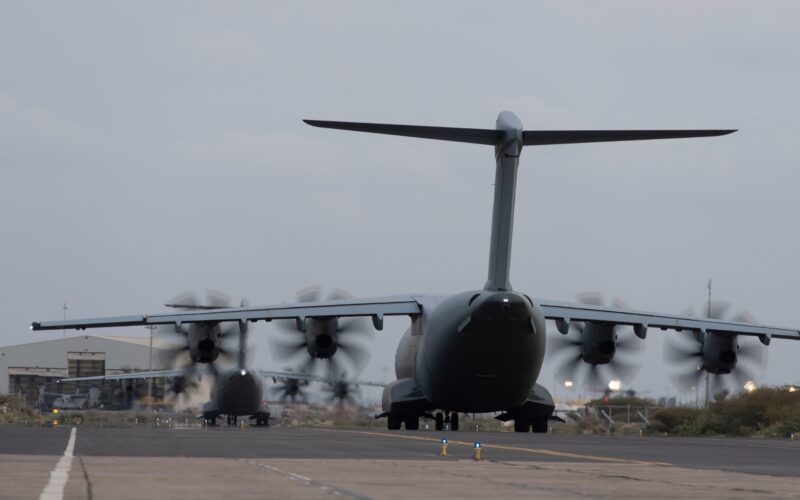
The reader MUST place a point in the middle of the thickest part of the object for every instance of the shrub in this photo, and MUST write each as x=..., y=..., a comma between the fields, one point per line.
x=679, y=420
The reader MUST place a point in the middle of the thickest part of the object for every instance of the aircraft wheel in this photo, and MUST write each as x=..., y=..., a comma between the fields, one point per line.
x=412, y=424
x=439, y=421
x=539, y=426
x=393, y=422
x=454, y=421
x=521, y=425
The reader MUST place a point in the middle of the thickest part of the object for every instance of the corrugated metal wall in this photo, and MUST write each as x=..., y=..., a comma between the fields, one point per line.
x=53, y=354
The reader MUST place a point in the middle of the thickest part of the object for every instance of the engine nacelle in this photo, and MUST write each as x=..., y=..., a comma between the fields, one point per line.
x=321, y=336
x=598, y=344
x=203, y=340
x=720, y=352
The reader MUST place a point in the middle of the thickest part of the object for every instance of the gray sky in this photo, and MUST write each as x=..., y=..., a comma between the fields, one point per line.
x=147, y=149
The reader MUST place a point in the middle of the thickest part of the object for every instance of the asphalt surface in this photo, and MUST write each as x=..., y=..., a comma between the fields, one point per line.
x=362, y=463
x=755, y=456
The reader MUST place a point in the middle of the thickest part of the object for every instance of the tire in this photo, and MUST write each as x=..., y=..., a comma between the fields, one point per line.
x=439, y=421
x=521, y=425
x=393, y=422
x=454, y=421
x=540, y=426
x=412, y=424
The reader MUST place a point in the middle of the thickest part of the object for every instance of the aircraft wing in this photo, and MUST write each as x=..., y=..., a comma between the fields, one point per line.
x=316, y=378
x=564, y=312
x=129, y=376
x=376, y=308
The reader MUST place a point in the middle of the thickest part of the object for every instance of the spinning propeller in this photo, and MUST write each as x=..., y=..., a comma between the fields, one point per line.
x=341, y=392
x=290, y=388
x=725, y=358
x=201, y=343
x=596, y=353
x=335, y=342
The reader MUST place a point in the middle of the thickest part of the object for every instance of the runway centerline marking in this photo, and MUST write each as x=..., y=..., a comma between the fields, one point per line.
x=327, y=488
x=537, y=451
x=54, y=489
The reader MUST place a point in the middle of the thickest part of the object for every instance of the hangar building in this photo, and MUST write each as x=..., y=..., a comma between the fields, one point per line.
x=33, y=370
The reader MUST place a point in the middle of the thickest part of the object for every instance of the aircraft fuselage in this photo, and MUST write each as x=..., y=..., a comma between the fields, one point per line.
x=237, y=392
x=481, y=351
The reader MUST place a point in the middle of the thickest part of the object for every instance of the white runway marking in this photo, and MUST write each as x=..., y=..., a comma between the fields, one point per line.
x=54, y=490
x=327, y=488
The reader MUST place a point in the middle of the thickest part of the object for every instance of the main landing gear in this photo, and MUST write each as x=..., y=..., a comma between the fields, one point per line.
x=210, y=419
x=523, y=425
x=446, y=418
x=395, y=421
x=261, y=418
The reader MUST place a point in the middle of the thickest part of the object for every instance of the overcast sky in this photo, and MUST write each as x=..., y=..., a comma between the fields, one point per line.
x=152, y=148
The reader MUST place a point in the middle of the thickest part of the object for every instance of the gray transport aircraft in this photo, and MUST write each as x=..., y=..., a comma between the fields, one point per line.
x=479, y=350
x=236, y=391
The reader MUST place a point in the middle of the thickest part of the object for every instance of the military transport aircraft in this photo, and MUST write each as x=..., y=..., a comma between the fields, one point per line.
x=237, y=391
x=479, y=350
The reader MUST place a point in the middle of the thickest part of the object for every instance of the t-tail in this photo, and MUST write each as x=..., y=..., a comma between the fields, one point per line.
x=508, y=138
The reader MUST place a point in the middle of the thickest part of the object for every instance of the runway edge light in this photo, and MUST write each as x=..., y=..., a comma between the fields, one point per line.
x=443, y=448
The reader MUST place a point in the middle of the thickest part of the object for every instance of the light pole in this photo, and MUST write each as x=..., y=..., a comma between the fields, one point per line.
x=64, y=331
x=709, y=317
x=150, y=367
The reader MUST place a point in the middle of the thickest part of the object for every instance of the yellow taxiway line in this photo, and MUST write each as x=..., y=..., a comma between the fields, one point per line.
x=536, y=451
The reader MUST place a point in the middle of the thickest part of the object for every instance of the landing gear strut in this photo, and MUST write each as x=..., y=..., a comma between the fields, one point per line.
x=538, y=426
x=521, y=425
x=210, y=419
x=449, y=418
x=393, y=422
x=261, y=418
x=439, y=421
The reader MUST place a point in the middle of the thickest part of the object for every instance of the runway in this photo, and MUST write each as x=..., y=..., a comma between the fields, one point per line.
x=363, y=463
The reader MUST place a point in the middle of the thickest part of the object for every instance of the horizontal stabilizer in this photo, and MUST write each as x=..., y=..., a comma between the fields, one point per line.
x=471, y=135
x=494, y=137
x=545, y=137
